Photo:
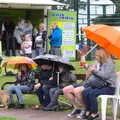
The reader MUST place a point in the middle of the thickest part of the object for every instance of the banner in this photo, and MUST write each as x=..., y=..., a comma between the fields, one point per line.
x=67, y=22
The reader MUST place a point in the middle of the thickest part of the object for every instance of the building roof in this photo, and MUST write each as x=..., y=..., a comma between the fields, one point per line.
x=27, y=3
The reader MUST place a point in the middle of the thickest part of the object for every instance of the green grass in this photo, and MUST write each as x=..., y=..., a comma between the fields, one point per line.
x=7, y=118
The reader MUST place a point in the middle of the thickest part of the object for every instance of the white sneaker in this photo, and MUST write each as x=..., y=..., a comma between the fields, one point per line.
x=74, y=113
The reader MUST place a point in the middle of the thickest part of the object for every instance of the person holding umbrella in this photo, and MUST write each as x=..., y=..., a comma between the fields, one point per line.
x=47, y=80
x=66, y=77
x=25, y=80
x=55, y=61
x=107, y=76
x=100, y=81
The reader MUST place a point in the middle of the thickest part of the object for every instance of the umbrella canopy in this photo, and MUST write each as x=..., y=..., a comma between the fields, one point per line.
x=16, y=61
x=105, y=36
x=65, y=62
x=53, y=59
x=47, y=58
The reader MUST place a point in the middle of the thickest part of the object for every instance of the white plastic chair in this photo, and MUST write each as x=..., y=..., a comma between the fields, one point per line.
x=116, y=99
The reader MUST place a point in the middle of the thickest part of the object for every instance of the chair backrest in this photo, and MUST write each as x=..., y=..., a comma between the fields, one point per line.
x=118, y=84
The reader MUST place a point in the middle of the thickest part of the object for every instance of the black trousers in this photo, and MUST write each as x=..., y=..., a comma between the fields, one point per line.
x=10, y=44
x=43, y=94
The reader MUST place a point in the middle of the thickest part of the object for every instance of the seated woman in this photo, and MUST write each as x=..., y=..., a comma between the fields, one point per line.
x=74, y=92
x=107, y=76
x=47, y=80
x=66, y=78
x=24, y=83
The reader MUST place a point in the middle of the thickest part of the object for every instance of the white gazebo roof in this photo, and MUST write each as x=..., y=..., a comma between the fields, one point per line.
x=27, y=3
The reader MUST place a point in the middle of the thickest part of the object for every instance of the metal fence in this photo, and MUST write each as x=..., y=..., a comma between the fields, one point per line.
x=98, y=13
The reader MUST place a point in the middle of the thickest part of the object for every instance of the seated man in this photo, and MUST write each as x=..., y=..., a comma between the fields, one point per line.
x=47, y=80
x=66, y=78
x=24, y=83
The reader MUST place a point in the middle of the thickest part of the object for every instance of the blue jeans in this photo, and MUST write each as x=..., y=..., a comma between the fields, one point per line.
x=90, y=97
x=56, y=51
x=54, y=94
x=18, y=89
x=39, y=51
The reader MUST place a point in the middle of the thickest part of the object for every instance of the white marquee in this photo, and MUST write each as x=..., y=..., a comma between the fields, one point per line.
x=35, y=4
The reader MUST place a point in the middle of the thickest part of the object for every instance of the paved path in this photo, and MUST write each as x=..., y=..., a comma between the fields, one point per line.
x=29, y=114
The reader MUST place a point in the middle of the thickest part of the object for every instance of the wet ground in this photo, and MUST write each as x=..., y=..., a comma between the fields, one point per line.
x=29, y=114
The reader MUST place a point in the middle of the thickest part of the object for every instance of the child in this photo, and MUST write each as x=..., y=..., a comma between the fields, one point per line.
x=26, y=46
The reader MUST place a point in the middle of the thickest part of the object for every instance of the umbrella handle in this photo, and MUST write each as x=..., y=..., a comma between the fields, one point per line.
x=5, y=68
x=58, y=78
x=91, y=50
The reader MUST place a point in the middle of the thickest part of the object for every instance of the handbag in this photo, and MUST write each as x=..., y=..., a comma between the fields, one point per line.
x=96, y=82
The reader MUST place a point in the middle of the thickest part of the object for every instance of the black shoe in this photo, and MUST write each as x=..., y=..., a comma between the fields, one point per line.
x=92, y=118
x=86, y=115
x=52, y=108
x=20, y=106
x=11, y=106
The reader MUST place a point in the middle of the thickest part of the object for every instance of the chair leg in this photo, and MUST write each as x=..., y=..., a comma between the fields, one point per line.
x=103, y=107
x=119, y=103
x=115, y=107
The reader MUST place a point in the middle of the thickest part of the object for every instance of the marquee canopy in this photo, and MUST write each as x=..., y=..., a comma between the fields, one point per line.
x=27, y=3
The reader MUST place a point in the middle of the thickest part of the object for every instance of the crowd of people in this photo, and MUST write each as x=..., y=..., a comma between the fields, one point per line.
x=100, y=80
x=100, y=76
x=24, y=37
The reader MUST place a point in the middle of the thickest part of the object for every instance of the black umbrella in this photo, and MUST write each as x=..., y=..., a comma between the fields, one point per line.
x=46, y=59
x=66, y=64
x=55, y=61
x=63, y=61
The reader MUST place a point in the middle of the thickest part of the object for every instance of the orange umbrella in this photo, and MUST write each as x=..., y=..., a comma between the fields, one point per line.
x=105, y=36
x=16, y=61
